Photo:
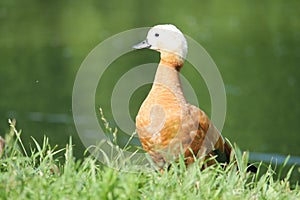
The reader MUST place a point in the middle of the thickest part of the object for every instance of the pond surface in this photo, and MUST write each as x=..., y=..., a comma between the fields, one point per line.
x=256, y=47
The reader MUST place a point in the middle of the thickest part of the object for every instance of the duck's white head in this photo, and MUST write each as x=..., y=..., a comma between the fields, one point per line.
x=168, y=40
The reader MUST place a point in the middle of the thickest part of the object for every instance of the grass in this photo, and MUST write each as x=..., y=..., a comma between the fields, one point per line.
x=43, y=174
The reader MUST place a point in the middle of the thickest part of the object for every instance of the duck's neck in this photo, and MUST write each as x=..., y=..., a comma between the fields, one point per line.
x=171, y=59
x=168, y=76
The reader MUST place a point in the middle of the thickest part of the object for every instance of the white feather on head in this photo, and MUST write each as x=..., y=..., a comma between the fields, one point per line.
x=169, y=38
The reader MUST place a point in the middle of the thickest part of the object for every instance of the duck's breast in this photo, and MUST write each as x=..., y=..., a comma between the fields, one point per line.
x=160, y=118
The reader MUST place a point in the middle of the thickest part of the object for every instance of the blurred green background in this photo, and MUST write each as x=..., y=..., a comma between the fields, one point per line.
x=255, y=44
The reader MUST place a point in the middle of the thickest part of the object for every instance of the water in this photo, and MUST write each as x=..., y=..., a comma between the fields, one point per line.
x=256, y=47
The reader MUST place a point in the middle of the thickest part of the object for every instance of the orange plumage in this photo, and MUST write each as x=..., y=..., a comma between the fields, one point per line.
x=166, y=123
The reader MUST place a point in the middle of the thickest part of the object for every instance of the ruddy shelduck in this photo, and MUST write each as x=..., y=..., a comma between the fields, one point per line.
x=166, y=123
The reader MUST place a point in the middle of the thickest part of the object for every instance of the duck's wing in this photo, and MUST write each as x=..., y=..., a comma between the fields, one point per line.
x=207, y=140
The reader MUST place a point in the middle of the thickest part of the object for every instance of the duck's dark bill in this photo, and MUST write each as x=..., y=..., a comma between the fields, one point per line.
x=142, y=45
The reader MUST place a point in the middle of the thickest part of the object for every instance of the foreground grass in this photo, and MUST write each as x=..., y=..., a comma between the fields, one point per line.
x=40, y=175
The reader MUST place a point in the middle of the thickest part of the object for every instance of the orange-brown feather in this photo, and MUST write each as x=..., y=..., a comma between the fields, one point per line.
x=184, y=128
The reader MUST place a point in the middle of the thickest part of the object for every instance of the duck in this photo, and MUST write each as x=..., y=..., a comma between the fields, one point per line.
x=167, y=124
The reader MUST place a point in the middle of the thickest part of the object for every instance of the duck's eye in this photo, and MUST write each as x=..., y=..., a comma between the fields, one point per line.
x=156, y=34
